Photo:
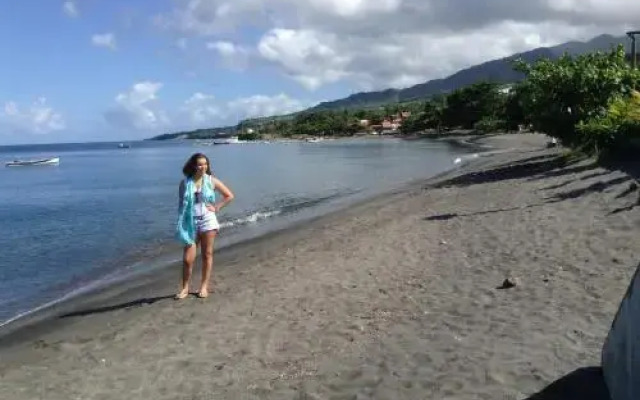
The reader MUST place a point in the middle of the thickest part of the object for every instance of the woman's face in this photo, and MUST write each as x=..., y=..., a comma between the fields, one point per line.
x=201, y=166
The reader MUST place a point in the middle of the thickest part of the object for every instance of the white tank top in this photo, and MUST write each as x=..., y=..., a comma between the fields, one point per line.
x=200, y=207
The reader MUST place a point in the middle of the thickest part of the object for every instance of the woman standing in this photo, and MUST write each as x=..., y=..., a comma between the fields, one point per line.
x=197, y=220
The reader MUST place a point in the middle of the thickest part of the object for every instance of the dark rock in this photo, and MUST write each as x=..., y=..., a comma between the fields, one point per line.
x=509, y=283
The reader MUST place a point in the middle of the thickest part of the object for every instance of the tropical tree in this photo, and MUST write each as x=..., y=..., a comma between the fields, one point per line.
x=467, y=106
x=558, y=96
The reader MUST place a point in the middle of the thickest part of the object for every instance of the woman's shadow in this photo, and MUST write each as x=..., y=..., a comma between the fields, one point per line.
x=135, y=303
x=581, y=384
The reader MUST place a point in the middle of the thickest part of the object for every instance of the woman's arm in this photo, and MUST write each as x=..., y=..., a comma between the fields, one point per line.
x=227, y=194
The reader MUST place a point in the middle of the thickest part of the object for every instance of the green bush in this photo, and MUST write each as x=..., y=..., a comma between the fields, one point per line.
x=616, y=132
x=430, y=117
x=489, y=125
x=570, y=98
x=467, y=106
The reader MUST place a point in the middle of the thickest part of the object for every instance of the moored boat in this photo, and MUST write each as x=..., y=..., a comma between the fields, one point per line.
x=228, y=140
x=28, y=163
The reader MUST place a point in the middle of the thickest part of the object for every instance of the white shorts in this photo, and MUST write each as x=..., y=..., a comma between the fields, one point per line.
x=207, y=222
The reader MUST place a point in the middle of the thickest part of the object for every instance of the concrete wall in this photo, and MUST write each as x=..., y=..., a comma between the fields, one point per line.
x=621, y=350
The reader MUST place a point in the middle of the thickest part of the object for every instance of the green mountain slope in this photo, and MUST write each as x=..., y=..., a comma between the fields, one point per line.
x=499, y=71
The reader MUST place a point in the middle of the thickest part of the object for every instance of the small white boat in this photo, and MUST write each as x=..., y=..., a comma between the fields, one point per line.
x=28, y=163
x=229, y=140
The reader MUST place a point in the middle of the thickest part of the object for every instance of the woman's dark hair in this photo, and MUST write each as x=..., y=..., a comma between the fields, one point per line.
x=190, y=167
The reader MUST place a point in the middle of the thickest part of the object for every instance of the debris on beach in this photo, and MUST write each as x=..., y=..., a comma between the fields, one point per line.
x=509, y=283
x=552, y=143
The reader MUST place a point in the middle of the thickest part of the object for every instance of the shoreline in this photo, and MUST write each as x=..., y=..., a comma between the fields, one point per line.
x=30, y=320
x=149, y=261
x=394, y=297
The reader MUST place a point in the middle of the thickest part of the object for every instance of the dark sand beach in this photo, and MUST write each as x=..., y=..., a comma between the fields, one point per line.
x=399, y=297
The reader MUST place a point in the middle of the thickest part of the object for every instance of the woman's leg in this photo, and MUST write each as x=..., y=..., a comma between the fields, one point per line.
x=206, y=248
x=188, y=258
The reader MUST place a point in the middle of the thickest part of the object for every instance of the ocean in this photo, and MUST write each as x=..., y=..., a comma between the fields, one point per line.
x=105, y=212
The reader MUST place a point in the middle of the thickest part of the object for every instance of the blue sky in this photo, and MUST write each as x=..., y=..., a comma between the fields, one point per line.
x=88, y=70
x=52, y=56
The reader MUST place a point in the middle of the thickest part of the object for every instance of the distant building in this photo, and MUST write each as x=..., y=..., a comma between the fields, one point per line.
x=391, y=124
x=506, y=89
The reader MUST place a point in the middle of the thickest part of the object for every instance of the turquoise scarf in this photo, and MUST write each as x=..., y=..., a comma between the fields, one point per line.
x=186, y=226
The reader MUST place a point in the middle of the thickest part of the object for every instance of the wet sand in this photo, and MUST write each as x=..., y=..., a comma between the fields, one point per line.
x=398, y=297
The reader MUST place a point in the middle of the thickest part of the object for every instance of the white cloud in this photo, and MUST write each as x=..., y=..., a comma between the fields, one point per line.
x=377, y=43
x=39, y=118
x=203, y=110
x=232, y=55
x=70, y=8
x=264, y=106
x=307, y=56
x=138, y=108
x=619, y=12
x=107, y=40
x=355, y=8
x=406, y=59
x=209, y=17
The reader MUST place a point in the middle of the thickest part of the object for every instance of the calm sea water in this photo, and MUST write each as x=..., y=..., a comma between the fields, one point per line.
x=105, y=212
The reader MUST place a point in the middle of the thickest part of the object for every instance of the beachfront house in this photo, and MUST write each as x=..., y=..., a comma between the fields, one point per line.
x=390, y=124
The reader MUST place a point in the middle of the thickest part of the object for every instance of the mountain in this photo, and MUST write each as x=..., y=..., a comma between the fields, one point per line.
x=206, y=133
x=598, y=43
x=499, y=71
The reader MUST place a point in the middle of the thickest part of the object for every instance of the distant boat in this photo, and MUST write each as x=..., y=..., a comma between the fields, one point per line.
x=124, y=146
x=28, y=163
x=230, y=140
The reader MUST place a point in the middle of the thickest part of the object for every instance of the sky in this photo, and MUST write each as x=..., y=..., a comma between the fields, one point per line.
x=110, y=70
